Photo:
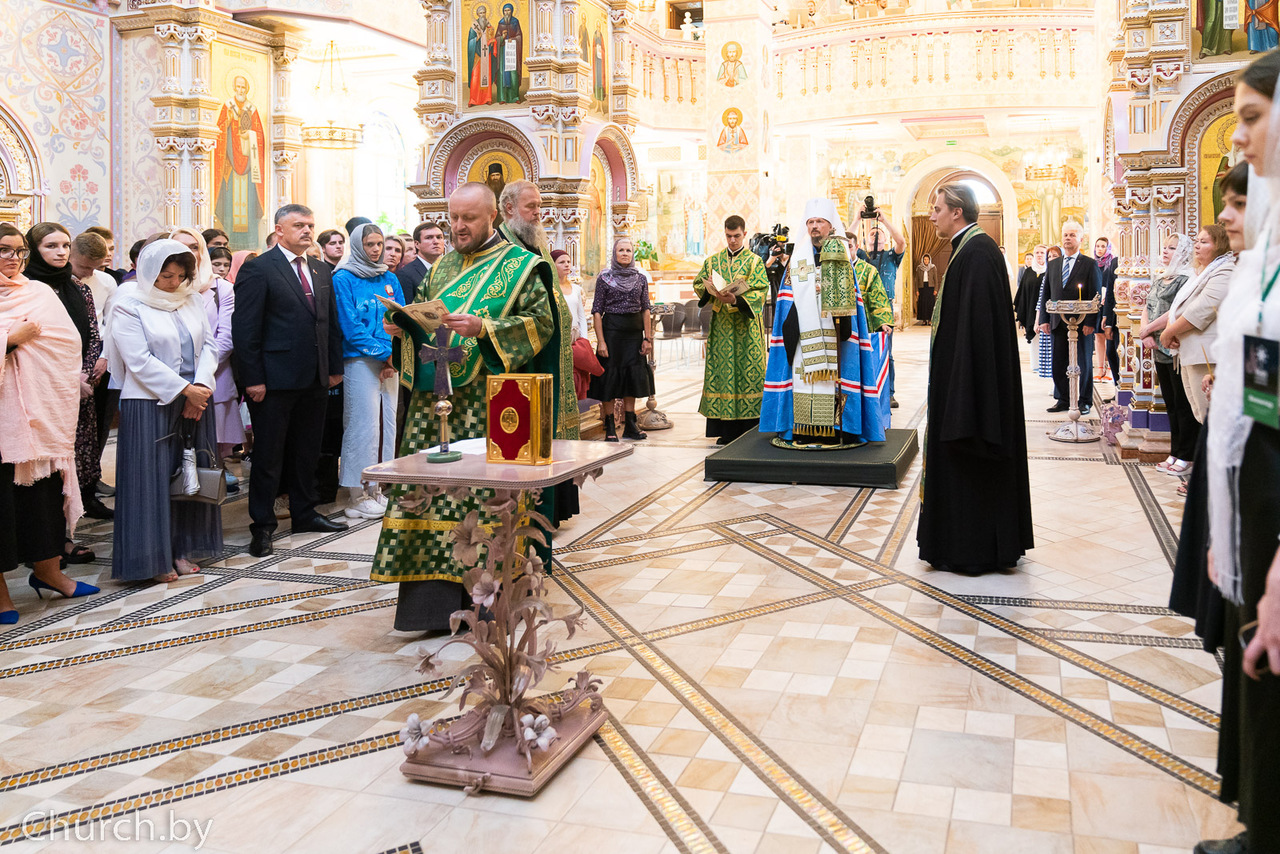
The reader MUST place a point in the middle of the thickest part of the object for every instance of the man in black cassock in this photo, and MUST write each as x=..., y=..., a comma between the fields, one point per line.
x=975, y=515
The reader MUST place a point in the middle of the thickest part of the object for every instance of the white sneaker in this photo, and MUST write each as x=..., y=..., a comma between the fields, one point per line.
x=381, y=498
x=282, y=508
x=366, y=509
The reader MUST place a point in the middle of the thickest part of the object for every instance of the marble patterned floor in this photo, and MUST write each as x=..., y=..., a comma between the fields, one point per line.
x=781, y=674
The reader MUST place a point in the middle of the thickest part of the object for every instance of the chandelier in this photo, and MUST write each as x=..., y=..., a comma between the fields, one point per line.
x=1046, y=161
x=849, y=174
x=333, y=106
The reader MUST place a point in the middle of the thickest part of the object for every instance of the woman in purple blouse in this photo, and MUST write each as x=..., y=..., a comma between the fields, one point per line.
x=624, y=332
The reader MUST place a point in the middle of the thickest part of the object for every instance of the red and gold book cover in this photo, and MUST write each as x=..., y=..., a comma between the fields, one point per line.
x=520, y=419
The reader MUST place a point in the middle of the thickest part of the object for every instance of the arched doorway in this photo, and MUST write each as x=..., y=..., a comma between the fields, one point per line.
x=20, y=174
x=993, y=214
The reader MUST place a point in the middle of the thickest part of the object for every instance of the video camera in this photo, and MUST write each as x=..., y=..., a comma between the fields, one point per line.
x=773, y=243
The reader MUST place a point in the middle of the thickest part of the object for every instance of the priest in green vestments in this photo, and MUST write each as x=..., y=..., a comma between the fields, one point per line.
x=502, y=315
x=520, y=209
x=733, y=384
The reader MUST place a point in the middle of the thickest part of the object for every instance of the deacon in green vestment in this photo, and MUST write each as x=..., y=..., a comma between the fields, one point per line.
x=502, y=315
x=733, y=384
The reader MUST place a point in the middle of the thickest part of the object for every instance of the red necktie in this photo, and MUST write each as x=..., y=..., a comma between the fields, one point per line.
x=302, y=277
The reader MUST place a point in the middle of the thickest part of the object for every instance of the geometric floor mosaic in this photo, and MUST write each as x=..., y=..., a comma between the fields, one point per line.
x=781, y=674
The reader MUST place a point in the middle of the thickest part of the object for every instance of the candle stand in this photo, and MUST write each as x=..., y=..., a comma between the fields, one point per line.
x=1073, y=313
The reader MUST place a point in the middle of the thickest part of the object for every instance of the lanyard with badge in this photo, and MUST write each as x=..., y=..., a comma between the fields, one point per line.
x=1262, y=364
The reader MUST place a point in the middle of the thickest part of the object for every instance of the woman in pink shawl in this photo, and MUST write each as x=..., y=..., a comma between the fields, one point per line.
x=39, y=408
x=238, y=260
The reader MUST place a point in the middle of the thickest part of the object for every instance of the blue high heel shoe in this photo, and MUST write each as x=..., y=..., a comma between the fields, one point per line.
x=8, y=618
x=82, y=589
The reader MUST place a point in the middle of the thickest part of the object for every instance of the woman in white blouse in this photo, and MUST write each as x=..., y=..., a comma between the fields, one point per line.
x=1192, y=327
x=166, y=357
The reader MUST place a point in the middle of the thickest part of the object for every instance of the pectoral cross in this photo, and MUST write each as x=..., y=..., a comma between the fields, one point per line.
x=805, y=269
x=442, y=355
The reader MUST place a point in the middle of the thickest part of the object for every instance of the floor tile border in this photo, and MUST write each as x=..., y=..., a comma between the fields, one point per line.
x=1061, y=706
x=124, y=756
x=202, y=786
x=634, y=507
x=690, y=508
x=212, y=610
x=1099, y=668
x=201, y=637
x=827, y=819
x=686, y=829
x=1120, y=638
x=1160, y=524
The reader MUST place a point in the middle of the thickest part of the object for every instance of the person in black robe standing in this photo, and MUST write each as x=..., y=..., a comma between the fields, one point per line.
x=975, y=515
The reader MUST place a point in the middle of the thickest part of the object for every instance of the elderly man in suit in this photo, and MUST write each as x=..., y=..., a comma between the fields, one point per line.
x=289, y=349
x=1074, y=276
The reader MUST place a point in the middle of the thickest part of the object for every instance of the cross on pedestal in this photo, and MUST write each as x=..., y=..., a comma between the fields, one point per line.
x=442, y=356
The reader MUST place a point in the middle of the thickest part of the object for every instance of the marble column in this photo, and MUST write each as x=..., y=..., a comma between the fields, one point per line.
x=437, y=104
x=286, y=127
x=183, y=126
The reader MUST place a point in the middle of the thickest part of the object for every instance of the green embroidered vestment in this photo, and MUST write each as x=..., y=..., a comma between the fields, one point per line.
x=734, y=381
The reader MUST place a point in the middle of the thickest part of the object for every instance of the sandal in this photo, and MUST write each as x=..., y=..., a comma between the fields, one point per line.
x=1164, y=466
x=1182, y=489
x=165, y=578
x=78, y=554
x=1179, y=468
x=184, y=567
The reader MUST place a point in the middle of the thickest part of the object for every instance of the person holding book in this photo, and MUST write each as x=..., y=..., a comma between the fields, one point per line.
x=734, y=282
x=501, y=313
x=369, y=386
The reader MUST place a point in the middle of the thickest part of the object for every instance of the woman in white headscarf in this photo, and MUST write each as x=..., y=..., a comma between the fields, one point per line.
x=1177, y=257
x=1244, y=489
x=166, y=357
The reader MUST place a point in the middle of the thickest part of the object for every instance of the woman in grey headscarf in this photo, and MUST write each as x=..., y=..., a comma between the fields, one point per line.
x=166, y=356
x=1184, y=430
x=368, y=380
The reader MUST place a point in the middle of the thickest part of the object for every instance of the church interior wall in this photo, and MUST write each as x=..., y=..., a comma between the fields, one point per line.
x=57, y=61
x=141, y=211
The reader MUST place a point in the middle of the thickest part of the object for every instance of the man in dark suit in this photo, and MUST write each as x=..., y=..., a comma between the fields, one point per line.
x=1074, y=276
x=428, y=240
x=288, y=346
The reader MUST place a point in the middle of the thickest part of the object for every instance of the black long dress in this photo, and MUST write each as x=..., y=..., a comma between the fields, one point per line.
x=1193, y=594
x=1025, y=302
x=1249, y=740
x=976, y=507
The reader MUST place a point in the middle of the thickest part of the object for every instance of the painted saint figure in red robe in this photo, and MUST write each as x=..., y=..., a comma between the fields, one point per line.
x=480, y=58
x=240, y=170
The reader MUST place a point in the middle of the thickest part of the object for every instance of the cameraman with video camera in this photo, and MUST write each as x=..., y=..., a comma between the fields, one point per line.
x=886, y=260
x=775, y=251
